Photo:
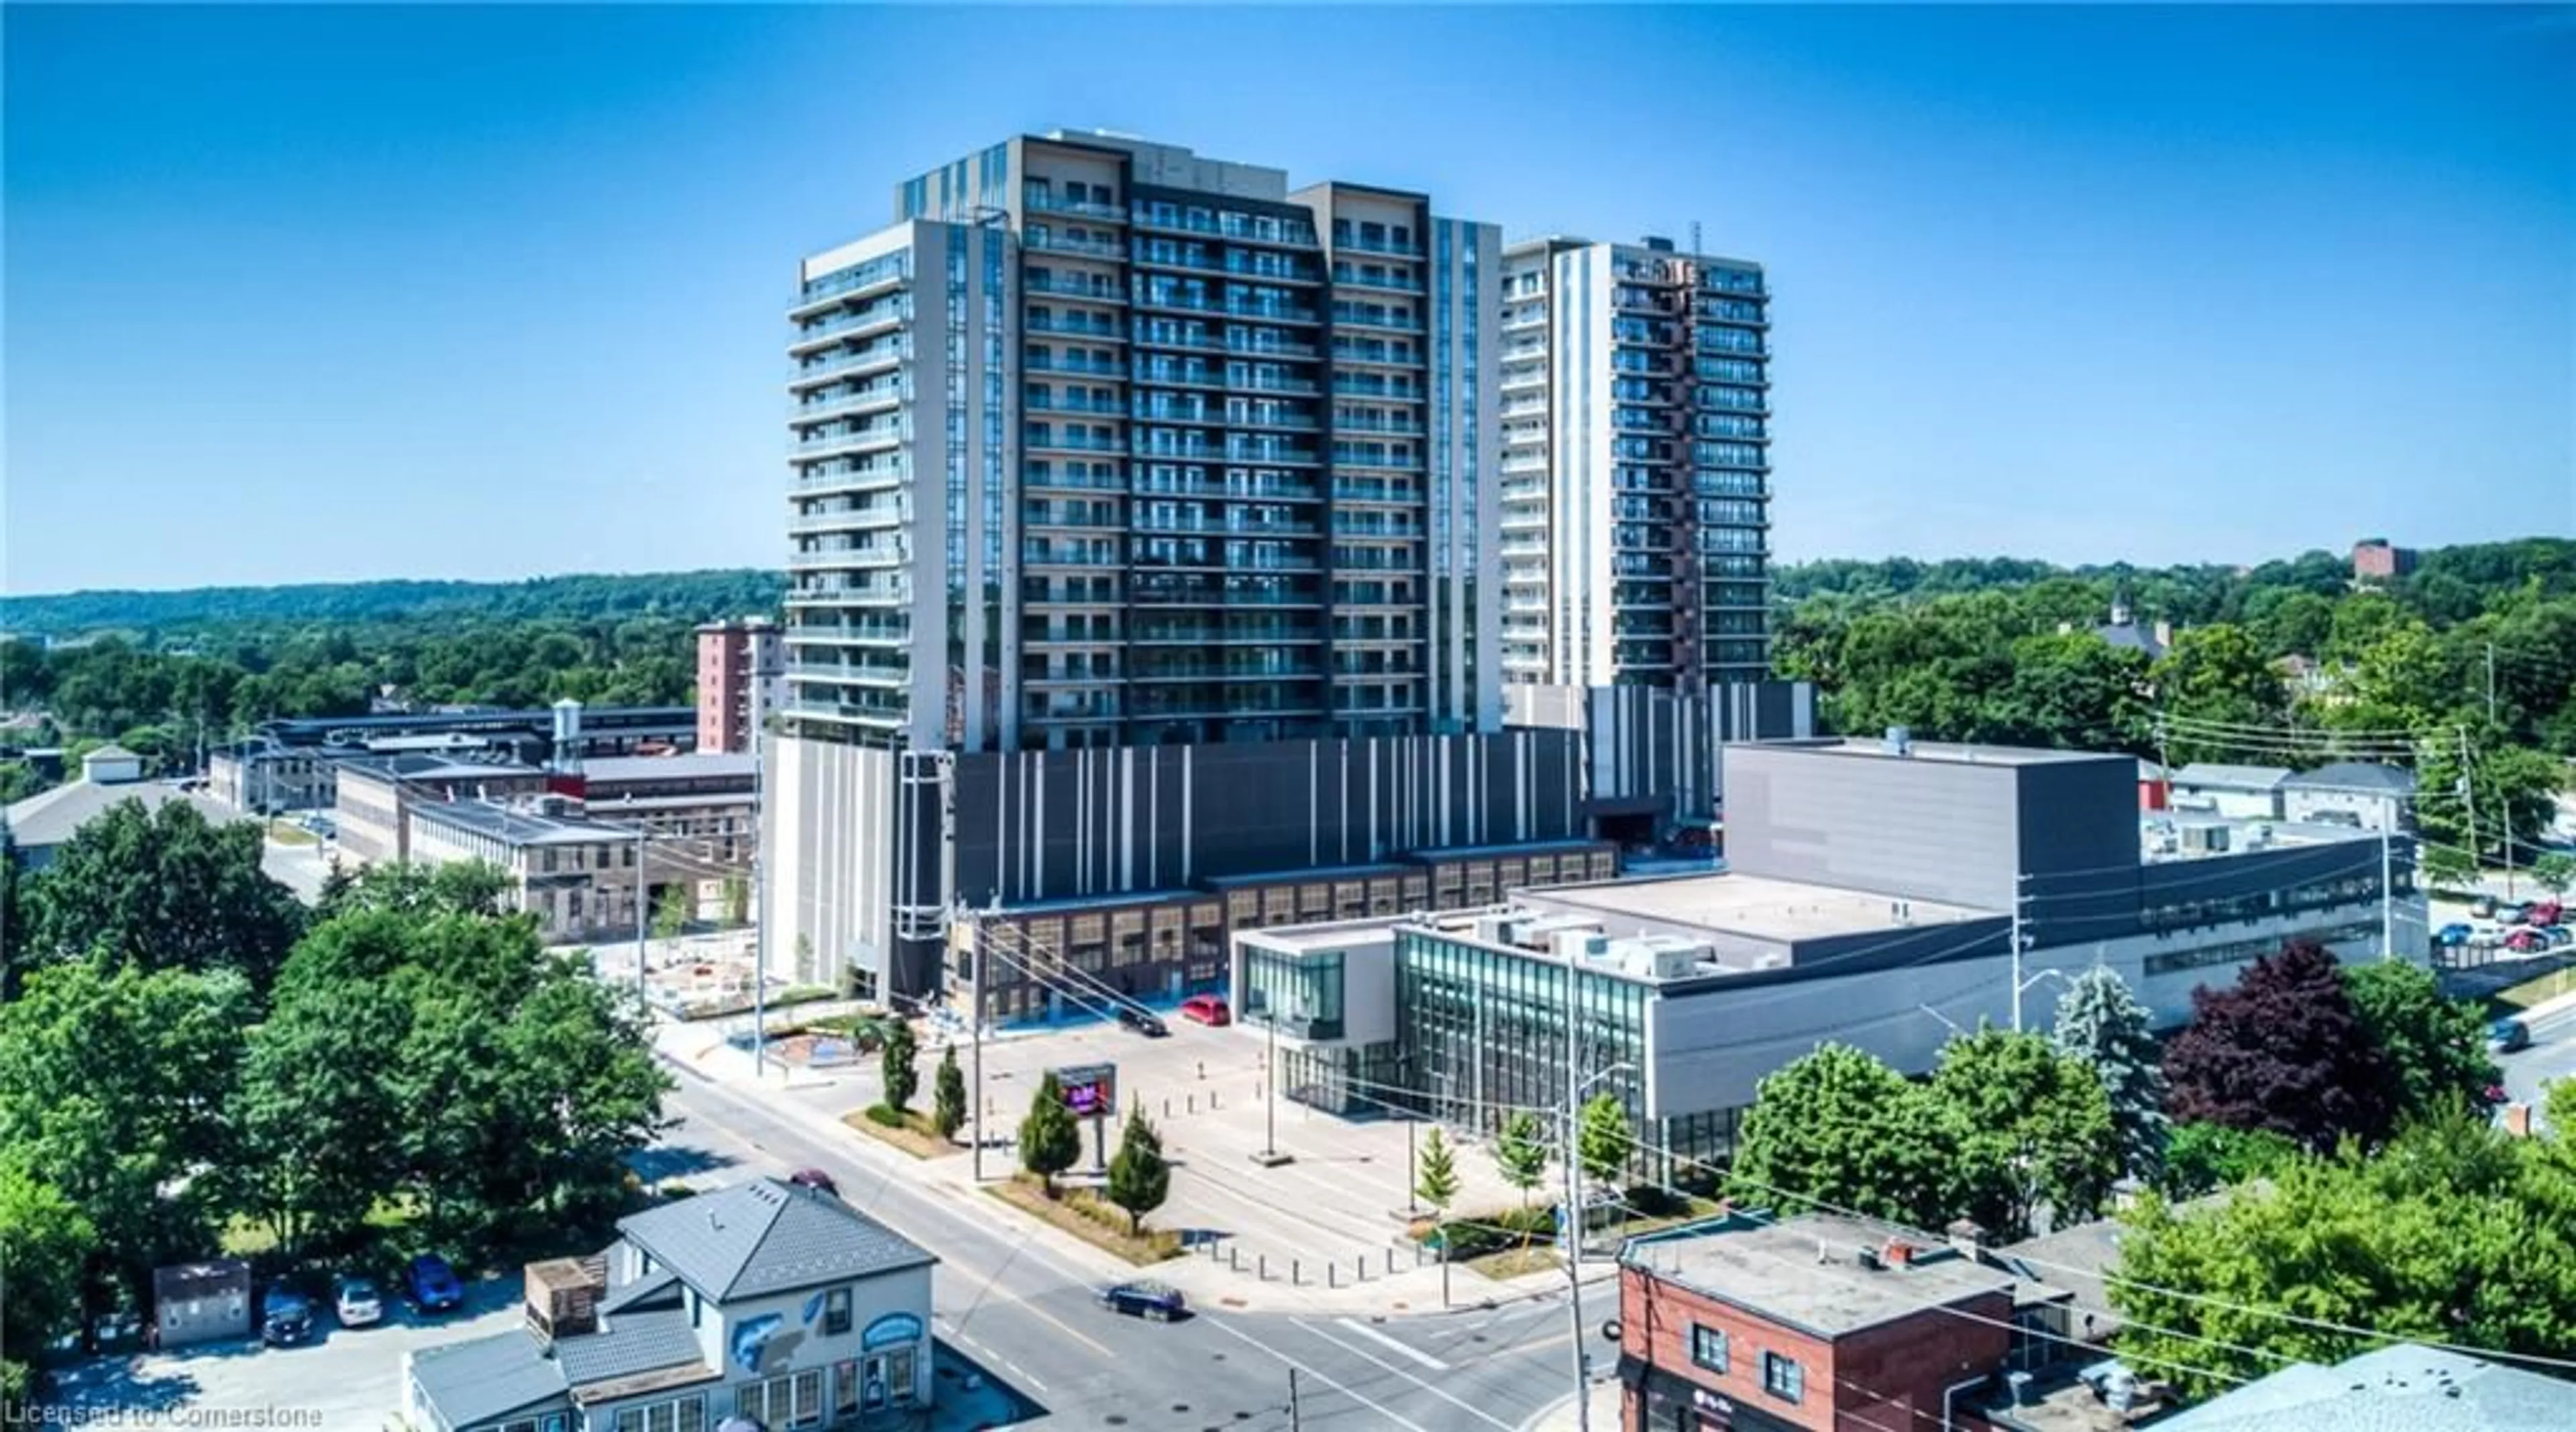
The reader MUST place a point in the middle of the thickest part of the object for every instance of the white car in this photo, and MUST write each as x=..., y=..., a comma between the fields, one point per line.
x=359, y=1303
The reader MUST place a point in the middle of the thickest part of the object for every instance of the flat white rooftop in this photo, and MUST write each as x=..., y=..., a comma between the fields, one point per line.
x=1759, y=906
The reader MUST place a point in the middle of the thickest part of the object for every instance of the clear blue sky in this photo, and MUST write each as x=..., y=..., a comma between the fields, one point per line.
x=316, y=294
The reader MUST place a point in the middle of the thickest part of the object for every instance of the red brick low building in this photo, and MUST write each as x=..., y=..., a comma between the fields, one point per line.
x=1814, y=1322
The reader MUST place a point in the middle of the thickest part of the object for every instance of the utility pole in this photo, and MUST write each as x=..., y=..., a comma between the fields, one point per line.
x=759, y=874
x=2387, y=898
x=2491, y=697
x=2469, y=797
x=1270, y=1087
x=2016, y=951
x=1294, y=1422
x=975, y=1023
x=643, y=913
x=1570, y=1157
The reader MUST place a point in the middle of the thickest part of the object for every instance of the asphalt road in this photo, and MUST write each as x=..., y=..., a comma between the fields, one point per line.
x=1031, y=1322
x=2551, y=1057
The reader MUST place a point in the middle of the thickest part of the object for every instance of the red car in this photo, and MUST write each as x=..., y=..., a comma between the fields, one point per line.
x=1207, y=1009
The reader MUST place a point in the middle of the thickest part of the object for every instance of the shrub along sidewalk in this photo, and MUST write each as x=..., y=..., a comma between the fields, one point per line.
x=1083, y=1213
x=910, y=1132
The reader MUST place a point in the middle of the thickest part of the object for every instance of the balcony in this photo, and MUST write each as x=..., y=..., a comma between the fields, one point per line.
x=840, y=366
x=1214, y=633
x=1078, y=366
x=1232, y=528
x=820, y=445
x=843, y=405
x=887, y=554
x=871, y=479
x=1082, y=286
x=816, y=337
x=1250, y=489
x=1397, y=427
x=860, y=631
x=1069, y=442
x=1348, y=316
x=1377, y=246
x=1046, y=201
x=849, y=286
x=858, y=519
x=1052, y=243
x=1347, y=277
x=1078, y=325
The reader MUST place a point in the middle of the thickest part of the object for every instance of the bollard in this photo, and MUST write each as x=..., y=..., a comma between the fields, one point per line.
x=1202, y=1069
x=1296, y=1273
x=1193, y=1105
x=1167, y=1108
x=1359, y=1265
x=1390, y=1262
x=1332, y=1275
x=1265, y=1267
x=1233, y=1259
x=1212, y=1100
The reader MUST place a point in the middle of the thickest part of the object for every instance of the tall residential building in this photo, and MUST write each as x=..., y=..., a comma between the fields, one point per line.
x=1636, y=462
x=742, y=676
x=1105, y=443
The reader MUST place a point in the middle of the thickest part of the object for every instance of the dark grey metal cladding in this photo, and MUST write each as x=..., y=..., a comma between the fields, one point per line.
x=1049, y=825
x=1657, y=748
x=2077, y=838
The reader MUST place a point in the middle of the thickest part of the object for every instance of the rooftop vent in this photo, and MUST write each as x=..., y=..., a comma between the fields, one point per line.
x=563, y=1297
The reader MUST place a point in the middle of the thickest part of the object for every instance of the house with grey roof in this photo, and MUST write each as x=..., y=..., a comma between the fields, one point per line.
x=764, y=1300
x=2358, y=793
x=2403, y=1387
x=2236, y=792
x=110, y=776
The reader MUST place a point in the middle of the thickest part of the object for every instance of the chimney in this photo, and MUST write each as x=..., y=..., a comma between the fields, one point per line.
x=1968, y=1238
x=1899, y=1253
x=563, y=1297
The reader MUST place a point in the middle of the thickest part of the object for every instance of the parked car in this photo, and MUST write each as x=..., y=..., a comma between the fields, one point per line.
x=816, y=1179
x=1143, y=1021
x=2507, y=1035
x=2546, y=912
x=2451, y=934
x=2512, y=914
x=1154, y=1302
x=1207, y=1009
x=357, y=1302
x=286, y=1317
x=2526, y=941
x=2557, y=935
x=432, y=1284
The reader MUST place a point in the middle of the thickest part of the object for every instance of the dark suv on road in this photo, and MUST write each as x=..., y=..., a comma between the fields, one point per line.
x=1155, y=1302
x=286, y=1317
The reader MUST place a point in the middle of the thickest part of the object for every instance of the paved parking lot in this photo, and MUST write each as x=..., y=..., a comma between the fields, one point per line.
x=347, y=1380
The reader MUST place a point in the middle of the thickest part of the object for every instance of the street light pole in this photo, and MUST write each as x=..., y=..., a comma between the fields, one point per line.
x=1270, y=1086
x=643, y=912
x=1570, y=1157
x=975, y=1022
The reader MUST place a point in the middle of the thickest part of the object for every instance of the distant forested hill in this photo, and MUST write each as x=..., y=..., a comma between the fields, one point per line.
x=683, y=596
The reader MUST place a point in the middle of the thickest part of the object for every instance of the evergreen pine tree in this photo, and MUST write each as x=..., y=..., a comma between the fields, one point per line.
x=1139, y=1179
x=2102, y=1023
x=948, y=1096
x=1050, y=1141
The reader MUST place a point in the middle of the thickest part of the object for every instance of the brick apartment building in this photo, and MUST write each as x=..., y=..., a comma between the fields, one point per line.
x=742, y=675
x=1816, y=1323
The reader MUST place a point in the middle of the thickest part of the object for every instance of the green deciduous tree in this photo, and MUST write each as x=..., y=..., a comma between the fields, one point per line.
x=2455, y=1233
x=2554, y=872
x=1839, y=1128
x=1602, y=1138
x=900, y=1064
x=2100, y=1022
x=465, y=887
x=44, y=1243
x=1520, y=1152
x=1050, y=1141
x=316, y=1117
x=165, y=889
x=2282, y=1050
x=1435, y=1178
x=2201, y=1157
x=114, y=1085
x=2217, y=674
x=1139, y=1178
x=671, y=911
x=2432, y=1047
x=2041, y=1125
x=948, y=1096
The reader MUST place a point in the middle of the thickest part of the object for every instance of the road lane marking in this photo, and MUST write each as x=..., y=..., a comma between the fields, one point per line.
x=1408, y=1349
x=1379, y=1408
x=1365, y=1355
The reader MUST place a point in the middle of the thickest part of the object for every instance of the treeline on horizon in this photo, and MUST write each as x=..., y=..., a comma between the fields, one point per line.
x=2450, y=584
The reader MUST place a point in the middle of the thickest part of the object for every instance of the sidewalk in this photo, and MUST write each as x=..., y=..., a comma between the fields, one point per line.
x=1560, y=1418
x=1215, y=1273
